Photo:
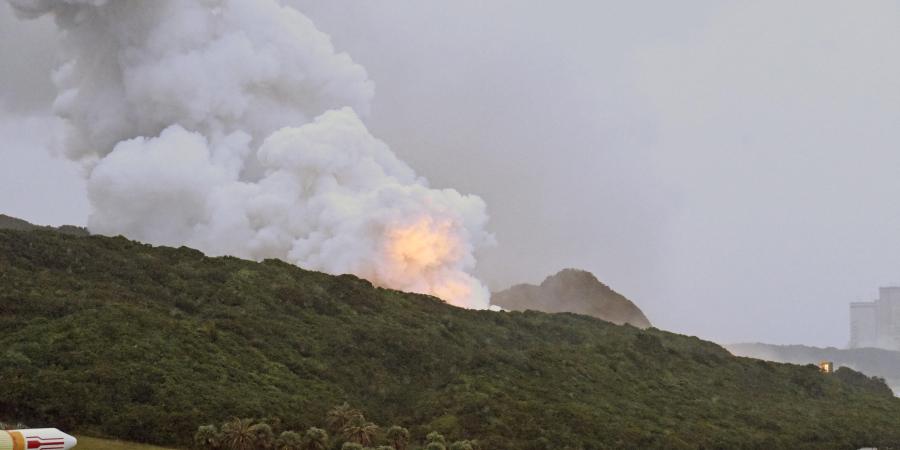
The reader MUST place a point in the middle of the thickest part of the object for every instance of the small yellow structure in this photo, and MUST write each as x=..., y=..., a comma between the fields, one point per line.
x=826, y=366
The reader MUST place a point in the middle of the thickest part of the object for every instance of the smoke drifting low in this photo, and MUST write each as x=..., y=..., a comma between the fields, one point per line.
x=233, y=126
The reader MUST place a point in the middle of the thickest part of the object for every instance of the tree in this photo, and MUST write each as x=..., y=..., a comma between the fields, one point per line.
x=435, y=441
x=351, y=446
x=263, y=437
x=398, y=437
x=434, y=436
x=360, y=431
x=340, y=416
x=208, y=437
x=289, y=440
x=238, y=435
x=315, y=439
x=462, y=445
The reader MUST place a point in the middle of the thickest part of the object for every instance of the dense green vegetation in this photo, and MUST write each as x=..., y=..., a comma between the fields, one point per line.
x=14, y=223
x=873, y=361
x=110, y=337
x=347, y=429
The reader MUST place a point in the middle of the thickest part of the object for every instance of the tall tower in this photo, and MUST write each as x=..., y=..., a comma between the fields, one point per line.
x=888, y=318
x=863, y=326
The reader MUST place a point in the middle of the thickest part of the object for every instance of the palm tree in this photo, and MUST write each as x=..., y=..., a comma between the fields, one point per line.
x=435, y=437
x=435, y=441
x=462, y=445
x=263, y=436
x=340, y=416
x=315, y=439
x=289, y=440
x=208, y=437
x=351, y=446
x=360, y=431
x=398, y=437
x=238, y=435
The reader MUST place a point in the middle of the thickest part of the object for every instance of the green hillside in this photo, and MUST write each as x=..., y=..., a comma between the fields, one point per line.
x=873, y=361
x=110, y=337
x=14, y=223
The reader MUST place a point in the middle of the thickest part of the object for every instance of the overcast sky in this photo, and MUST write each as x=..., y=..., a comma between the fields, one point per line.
x=730, y=167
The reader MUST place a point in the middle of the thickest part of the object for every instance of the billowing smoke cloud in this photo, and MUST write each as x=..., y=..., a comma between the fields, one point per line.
x=232, y=126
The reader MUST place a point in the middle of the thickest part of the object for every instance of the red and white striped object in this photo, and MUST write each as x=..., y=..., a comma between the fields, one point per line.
x=36, y=439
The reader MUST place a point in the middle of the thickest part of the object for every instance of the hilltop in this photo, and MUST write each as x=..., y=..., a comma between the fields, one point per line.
x=574, y=291
x=873, y=361
x=106, y=336
x=14, y=223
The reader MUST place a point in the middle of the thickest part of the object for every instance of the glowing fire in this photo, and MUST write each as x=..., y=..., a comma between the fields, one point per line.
x=424, y=244
x=425, y=256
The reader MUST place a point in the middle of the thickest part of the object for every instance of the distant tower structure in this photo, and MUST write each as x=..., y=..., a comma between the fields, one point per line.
x=877, y=323
x=826, y=367
x=863, y=326
x=888, y=318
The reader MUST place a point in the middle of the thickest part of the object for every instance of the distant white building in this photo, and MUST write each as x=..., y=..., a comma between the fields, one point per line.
x=877, y=323
x=862, y=325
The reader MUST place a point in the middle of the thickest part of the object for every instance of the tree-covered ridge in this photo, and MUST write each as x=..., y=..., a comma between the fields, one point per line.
x=109, y=336
x=873, y=361
x=14, y=223
x=346, y=429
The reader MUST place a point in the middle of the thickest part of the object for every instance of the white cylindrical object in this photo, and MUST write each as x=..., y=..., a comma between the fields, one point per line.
x=36, y=439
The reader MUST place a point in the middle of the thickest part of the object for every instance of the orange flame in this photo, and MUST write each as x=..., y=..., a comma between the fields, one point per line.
x=423, y=257
x=422, y=245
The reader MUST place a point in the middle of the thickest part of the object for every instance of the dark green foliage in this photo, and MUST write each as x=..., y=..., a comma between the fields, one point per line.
x=872, y=384
x=360, y=430
x=398, y=437
x=289, y=440
x=462, y=445
x=263, y=436
x=315, y=439
x=112, y=337
x=435, y=437
x=239, y=434
x=340, y=416
x=872, y=361
x=435, y=441
x=13, y=223
x=208, y=437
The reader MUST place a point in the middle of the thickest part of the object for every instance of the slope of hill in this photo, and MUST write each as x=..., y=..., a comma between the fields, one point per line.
x=91, y=443
x=575, y=291
x=106, y=336
x=14, y=223
x=872, y=361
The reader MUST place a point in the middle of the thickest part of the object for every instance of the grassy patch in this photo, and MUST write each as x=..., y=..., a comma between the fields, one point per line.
x=90, y=443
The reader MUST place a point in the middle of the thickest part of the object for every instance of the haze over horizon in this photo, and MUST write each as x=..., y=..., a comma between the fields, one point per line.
x=730, y=171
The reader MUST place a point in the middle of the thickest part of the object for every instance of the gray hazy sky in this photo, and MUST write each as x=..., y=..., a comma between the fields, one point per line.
x=731, y=167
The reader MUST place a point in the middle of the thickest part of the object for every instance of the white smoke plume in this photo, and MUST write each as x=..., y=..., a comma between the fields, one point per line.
x=232, y=126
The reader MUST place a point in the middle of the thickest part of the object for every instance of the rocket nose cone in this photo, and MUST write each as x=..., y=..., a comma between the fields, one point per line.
x=69, y=441
x=46, y=438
